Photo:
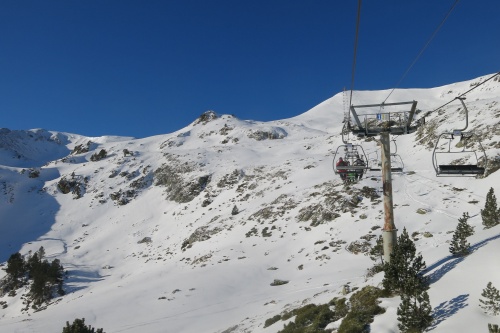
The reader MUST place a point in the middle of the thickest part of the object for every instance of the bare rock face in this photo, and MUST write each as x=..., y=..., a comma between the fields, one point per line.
x=206, y=117
x=180, y=186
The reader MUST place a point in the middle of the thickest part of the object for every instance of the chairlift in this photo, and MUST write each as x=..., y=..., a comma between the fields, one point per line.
x=397, y=165
x=356, y=162
x=374, y=161
x=446, y=159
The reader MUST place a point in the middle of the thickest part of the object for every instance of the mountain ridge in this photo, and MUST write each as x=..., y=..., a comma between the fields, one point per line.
x=151, y=234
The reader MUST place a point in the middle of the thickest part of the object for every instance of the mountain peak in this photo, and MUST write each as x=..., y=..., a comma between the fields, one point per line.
x=150, y=230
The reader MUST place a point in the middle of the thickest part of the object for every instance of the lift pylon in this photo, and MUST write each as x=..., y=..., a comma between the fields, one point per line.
x=378, y=122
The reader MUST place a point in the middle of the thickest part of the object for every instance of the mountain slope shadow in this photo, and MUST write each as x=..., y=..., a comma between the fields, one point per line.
x=27, y=211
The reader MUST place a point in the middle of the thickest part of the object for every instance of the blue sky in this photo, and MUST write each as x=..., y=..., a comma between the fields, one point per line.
x=142, y=68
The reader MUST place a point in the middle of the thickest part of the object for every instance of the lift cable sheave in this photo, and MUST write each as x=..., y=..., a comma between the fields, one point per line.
x=372, y=124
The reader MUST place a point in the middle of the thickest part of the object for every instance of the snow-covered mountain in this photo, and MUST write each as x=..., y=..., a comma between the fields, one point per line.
x=152, y=242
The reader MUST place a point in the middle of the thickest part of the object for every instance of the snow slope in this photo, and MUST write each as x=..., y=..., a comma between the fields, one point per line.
x=151, y=245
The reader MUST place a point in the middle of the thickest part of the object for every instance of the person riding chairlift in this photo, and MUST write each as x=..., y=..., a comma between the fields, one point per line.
x=342, y=171
x=359, y=172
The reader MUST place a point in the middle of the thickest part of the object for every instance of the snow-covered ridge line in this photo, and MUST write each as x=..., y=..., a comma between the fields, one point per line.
x=150, y=237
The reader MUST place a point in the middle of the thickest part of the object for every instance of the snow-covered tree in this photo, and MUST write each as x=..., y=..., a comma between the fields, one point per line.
x=490, y=213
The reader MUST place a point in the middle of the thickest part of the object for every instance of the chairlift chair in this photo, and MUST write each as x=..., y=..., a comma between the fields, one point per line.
x=397, y=165
x=443, y=161
x=350, y=153
x=445, y=166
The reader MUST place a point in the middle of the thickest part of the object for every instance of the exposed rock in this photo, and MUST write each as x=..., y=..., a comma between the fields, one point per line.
x=199, y=235
x=270, y=134
x=146, y=240
x=75, y=185
x=179, y=189
x=206, y=117
x=81, y=149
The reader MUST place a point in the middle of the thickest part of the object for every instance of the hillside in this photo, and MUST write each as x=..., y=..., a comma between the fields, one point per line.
x=152, y=243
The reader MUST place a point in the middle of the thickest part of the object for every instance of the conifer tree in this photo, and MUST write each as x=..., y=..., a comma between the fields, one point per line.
x=15, y=270
x=490, y=213
x=491, y=303
x=493, y=328
x=464, y=226
x=402, y=273
x=78, y=326
x=45, y=276
x=459, y=245
x=378, y=250
x=414, y=313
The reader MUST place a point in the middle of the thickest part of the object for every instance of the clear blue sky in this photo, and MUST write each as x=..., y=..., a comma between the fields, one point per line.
x=141, y=68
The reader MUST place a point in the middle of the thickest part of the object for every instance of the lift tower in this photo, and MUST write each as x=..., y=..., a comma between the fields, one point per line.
x=381, y=123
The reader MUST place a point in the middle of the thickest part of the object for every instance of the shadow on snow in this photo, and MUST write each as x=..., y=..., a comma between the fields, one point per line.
x=447, y=309
x=448, y=263
x=27, y=211
x=79, y=279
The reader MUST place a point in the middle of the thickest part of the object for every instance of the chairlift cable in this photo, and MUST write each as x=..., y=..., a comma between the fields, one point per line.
x=422, y=50
x=465, y=93
x=345, y=127
x=468, y=91
x=355, y=51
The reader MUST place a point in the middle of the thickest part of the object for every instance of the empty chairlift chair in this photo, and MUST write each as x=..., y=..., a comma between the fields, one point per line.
x=461, y=158
x=397, y=165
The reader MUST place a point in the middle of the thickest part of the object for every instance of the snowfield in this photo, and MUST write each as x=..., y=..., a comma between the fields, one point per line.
x=151, y=244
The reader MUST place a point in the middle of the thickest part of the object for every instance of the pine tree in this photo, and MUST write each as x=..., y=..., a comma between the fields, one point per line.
x=235, y=210
x=15, y=270
x=490, y=213
x=41, y=252
x=459, y=245
x=402, y=273
x=491, y=304
x=414, y=313
x=464, y=226
x=493, y=328
x=45, y=276
x=378, y=250
x=78, y=326
x=56, y=275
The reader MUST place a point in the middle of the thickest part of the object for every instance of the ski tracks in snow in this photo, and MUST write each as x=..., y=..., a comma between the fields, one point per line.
x=432, y=185
x=228, y=306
